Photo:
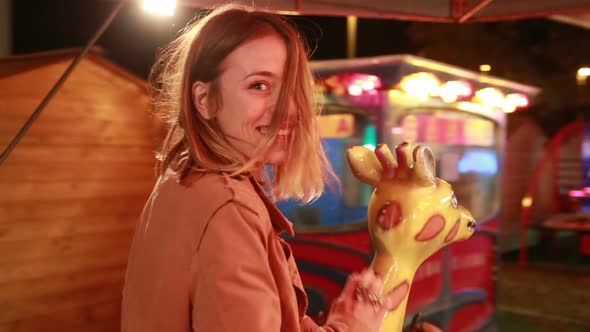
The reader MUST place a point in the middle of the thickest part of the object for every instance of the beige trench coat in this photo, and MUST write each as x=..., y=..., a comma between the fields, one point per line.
x=207, y=256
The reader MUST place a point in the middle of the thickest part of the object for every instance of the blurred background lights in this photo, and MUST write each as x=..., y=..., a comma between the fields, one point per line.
x=576, y=193
x=355, y=90
x=423, y=86
x=485, y=68
x=162, y=7
x=420, y=85
x=451, y=91
x=518, y=99
x=582, y=75
x=397, y=130
x=358, y=83
x=480, y=162
x=490, y=96
x=527, y=201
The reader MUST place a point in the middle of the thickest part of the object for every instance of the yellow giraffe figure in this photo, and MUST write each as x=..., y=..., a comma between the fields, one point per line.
x=411, y=215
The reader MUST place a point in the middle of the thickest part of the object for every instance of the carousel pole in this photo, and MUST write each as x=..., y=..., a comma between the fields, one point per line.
x=62, y=80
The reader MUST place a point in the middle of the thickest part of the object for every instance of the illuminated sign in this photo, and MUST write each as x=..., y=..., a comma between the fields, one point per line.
x=336, y=125
x=425, y=128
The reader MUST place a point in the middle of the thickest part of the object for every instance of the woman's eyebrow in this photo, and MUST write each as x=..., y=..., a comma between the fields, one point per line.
x=261, y=73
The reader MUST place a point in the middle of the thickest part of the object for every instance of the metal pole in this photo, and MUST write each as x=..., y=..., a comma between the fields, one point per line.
x=61, y=80
x=351, y=31
x=5, y=27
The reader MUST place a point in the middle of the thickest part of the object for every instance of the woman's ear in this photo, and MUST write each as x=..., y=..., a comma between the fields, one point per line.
x=200, y=92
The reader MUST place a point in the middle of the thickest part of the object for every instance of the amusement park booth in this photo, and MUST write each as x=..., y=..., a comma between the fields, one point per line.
x=461, y=116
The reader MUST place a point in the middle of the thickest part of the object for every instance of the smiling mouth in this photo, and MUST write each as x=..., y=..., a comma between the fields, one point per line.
x=283, y=133
x=263, y=130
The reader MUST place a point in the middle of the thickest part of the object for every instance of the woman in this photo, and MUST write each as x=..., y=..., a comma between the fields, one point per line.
x=207, y=255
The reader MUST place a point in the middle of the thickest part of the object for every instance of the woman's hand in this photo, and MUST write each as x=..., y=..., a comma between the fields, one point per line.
x=360, y=308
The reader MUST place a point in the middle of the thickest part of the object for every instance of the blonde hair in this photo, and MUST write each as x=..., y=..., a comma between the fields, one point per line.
x=195, y=143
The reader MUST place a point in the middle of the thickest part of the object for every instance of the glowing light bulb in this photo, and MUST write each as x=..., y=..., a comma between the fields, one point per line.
x=355, y=90
x=485, y=68
x=490, y=97
x=518, y=99
x=453, y=90
x=421, y=85
x=527, y=201
x=162, y=7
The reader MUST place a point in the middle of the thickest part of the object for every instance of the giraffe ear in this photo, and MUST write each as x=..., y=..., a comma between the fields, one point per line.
x=365, y=165
x=386, y=160
x=424, y=165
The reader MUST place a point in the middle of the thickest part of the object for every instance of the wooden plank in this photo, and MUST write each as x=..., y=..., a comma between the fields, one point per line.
x=63, y=172
x=60, y=134
x=11, y=194
x=80, y=154
x=81, y=126
x=16, y=252
x=76, y=90
x=82, y=84
x=19, y=310
x=62, y=283
x=151, y=142
x=46, y=228
x=87, y=124
x=79, y=136
x=29, y=83
x=58, y=207
x=75, y=109
x=47, y=267
x=98, y=317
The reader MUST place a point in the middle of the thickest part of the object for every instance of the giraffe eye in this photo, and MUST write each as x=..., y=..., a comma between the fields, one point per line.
x=454, y=201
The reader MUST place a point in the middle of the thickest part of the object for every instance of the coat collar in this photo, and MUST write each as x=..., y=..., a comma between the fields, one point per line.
x=277, y=218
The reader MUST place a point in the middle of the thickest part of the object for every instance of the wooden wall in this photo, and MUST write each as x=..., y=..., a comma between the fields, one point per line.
x=71, y=192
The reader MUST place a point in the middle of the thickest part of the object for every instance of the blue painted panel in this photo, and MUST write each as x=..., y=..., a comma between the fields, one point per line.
x=329, y=208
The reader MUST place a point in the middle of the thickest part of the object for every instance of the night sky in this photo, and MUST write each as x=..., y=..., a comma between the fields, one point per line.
x=538, y=52
x=135, y=36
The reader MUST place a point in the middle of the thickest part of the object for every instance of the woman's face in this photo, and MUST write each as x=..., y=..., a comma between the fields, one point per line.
x=250, y=84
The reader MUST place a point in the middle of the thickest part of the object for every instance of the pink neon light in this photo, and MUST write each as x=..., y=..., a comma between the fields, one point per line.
x=576, y=193
x=397, y=130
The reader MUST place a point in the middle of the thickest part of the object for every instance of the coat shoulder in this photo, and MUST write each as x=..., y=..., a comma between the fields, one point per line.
x=217, y=189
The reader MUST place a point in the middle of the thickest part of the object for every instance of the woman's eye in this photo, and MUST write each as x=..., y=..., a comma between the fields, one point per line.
x=259, y=86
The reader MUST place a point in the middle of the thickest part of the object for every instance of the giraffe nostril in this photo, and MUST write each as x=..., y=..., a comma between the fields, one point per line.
x=471, y=225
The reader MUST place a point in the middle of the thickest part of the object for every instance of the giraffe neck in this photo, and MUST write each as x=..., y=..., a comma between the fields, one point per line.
x=394, y=271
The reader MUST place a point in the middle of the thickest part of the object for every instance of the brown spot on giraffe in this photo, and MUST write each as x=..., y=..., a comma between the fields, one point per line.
x=432, y=228
x=453, y=231
x=390, y=215
x=399, y=292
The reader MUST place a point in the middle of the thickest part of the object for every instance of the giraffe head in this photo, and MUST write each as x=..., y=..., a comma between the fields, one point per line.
x=412, y=213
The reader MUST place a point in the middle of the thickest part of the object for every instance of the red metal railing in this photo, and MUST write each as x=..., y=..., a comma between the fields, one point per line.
x=550, y=157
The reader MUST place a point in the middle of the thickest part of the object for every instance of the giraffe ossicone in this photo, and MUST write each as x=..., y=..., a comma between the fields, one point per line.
x=411, y=215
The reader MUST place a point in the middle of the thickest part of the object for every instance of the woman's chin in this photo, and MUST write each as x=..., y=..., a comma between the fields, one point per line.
x=277, y=158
